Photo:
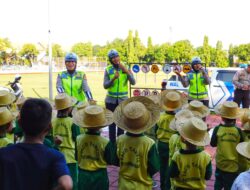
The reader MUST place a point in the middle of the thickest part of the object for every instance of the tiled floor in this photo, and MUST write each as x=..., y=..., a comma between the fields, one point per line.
x=212, y=120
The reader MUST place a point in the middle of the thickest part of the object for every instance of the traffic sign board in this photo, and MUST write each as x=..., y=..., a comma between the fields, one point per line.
x=136, y=68
x=145, y=68
x=186, y=68
x=136, y=92
x=145, y=92
x=155, y=68
x=166, y=68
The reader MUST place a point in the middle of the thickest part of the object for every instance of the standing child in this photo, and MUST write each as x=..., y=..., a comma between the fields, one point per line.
x=31, y=165
x=226, y=137
x=65, y=132
x=242, y=182
x=190, y=167
x=136, y=154
x=6, y=100
x=171, y=101
x=244, y=163
x=6, y=119
x=94, y=151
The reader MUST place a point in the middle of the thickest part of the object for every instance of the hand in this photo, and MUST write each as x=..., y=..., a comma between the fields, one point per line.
x=123, y=68
x=245, y=87
x=58, y=140
x=116, y=75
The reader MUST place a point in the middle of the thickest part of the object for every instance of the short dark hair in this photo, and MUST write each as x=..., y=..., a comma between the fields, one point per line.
x=35, y=116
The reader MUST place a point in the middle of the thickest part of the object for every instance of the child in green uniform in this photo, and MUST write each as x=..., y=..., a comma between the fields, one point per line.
x=6, y=100
x=191, y=167
x=6, y=119
x=65, y=133
x=226, y=137
x=171, y=101
x=244, y=163
x=136, y=154
x=94, y=152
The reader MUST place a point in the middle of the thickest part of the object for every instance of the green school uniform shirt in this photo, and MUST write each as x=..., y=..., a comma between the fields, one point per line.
x=163, y=132
x=93, y=151
x=190, y=169
x=226, y=138
x=138, y=160
x=65, y=128
x=4, y=141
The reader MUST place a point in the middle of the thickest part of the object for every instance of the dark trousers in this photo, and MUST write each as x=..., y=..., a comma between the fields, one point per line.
x=205, y=102
x=112, y=127
x=242, y=96
x=224, y=179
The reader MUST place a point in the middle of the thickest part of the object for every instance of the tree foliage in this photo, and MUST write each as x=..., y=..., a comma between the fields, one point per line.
x=83, y=49
x=220, y=56
x=29, y=52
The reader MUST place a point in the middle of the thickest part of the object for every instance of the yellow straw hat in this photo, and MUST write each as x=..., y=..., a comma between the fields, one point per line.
x=244, y=149
x=194, y=130
x=156, y=99
x=136, y=114
x=5, y=116
x=245, y=115
x=229, y=110
x=246, y=125
x=93, y=116
x=180, y=116
x=63, y=101
x=172, y=100
x=6, y=98
x=198, y=108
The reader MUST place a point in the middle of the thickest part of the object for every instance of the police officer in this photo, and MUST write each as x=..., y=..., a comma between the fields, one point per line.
x=73, y=82
x=116, y=78
x=197, y=79
x=241, y=80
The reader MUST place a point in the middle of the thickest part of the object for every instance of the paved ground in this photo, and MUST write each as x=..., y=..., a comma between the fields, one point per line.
x=212, y=120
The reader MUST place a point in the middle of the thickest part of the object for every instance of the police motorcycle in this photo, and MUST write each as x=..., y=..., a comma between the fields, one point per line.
x=15, y=87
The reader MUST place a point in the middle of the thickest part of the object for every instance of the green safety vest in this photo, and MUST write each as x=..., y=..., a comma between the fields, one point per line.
x=197, y=88
x=119, y=88
x=73, y=84
x=5, y=142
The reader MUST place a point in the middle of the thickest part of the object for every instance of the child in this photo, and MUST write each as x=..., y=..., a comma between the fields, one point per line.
x=65, y=132
x=31, y=165
x=136, y=154
x=226, y=137
x=242, y=182
x=6, y=119
x=171, y=101
x=190, y=167
x=198, y=109
x=94, y=151
x=6, y=100
x=244, y=164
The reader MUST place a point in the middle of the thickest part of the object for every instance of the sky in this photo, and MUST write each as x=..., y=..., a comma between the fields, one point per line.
x=99, y=21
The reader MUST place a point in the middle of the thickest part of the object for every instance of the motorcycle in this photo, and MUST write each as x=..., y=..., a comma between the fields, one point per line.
x=15, y=87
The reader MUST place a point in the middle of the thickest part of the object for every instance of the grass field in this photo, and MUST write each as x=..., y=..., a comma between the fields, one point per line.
x=39, y=83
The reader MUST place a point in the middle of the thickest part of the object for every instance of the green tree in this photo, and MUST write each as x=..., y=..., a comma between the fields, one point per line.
x=231, y=55
x=5, y=50
x=220, y=56
x=206, y=58
x=183, y=51
x=130, y=49
x=243, y=52
x=149, y=57
x=140, y=49
x=29, y=52
x=83, y=49
x=57, y=51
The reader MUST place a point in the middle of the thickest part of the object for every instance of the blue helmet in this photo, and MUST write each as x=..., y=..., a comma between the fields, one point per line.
x=196, y=60
x=113, y=53
x=71, y=57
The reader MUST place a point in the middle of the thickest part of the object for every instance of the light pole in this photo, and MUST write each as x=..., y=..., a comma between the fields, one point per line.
x=50, y=56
